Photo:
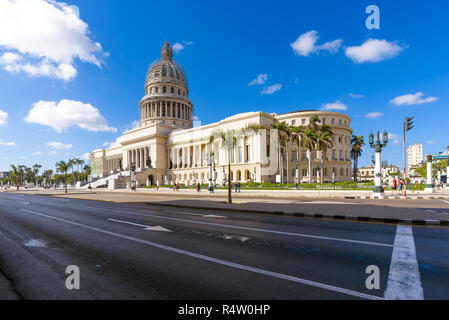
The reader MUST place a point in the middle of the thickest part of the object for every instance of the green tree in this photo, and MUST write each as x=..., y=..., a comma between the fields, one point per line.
x=36, y=169
x=14, y=177
x=284, y=134
x=357, y=143
x=63, y=167
x=308, y=142
x=324, y=142
x=228, y=140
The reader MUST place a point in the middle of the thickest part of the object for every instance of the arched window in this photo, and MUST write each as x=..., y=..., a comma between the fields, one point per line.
x=156, y=90
x=164, y=89
x=172, y=90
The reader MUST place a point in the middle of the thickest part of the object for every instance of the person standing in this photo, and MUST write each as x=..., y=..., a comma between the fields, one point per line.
x=198, y=187
x=395, y=185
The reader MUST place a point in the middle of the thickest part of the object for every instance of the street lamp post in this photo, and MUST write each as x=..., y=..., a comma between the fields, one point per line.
x=429, y=183
x=384, y=167
x=89, y=178
x=378, y=145
x=224, y=177
x=297, y=174
x=211, y=161
x=215, y=175
x=133, y=176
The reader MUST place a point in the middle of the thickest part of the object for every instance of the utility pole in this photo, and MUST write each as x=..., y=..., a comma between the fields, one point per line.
x=408, y=125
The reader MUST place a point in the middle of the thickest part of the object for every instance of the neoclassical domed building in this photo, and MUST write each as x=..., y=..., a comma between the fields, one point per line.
x=167, y=149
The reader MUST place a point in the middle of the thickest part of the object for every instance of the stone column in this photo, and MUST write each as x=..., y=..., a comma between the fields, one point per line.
x=195, y=147
x=189, y=164
x=378, y=188
x=429, y=183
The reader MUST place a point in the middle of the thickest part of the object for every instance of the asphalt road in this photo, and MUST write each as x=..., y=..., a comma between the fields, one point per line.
x=132, y=251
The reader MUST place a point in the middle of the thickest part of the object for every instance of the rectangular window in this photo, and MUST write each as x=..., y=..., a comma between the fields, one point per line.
x=248, y=153
x=268, y=150
x=293, y=122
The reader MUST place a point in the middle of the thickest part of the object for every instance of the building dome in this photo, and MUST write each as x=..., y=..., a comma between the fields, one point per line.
x=166, y=93
x=166, y=70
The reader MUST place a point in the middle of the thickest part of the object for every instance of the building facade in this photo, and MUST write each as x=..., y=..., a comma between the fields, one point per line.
x=368, y=173
x=167, y=149
x=414, y=155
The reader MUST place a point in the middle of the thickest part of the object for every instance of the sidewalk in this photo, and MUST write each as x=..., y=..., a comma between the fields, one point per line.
x=263, y=194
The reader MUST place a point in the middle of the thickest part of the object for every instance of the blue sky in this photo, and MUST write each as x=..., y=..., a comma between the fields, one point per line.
x=95, y=65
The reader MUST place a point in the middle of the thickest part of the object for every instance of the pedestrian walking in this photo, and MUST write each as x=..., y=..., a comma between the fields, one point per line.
x=198, y=187
x=239, y=186
x=236, y=187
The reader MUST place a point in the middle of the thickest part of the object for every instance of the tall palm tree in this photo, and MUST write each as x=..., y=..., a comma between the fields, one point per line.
x=36, y=169
x=21, y=173
x=297, y=133
x=63, y=167
x=15, y=173
x=284, y=133
x=324, y=142
x=314, y=123
x=357, y=143
x=308, y=142
x=228, y=140
x=86, y=170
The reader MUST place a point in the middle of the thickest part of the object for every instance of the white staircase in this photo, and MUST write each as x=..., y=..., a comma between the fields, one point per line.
x=105, y=180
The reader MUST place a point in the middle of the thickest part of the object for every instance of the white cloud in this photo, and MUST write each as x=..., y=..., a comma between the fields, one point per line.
x=374, y=115
x=58, y=145
x=44, y=37
x=3, y=117
x=37, y=153
x=86, y=156
x=53, y=152
x=272, y=89
x=356, y=95
x=68, y=113
x=393, y=138
x=7, y=144
x=337, y=105
x=432, y=142
x=412, y=99
x=306, y=44
x=373, y=50
x=178, y=47
x=260, y=79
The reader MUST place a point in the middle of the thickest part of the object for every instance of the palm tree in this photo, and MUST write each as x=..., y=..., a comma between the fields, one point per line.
x=308, y=142
x=314, y=123
x=324, y=142
x=357, y=143
x=63, y=167
x=284, y=133
x=297, y=133
x=15, y=173
x=21, y=172
x=228, y=140
x=36, y=169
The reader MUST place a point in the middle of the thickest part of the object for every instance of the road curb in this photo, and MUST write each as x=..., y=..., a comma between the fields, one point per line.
x=339, y=217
